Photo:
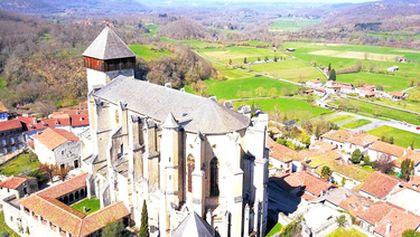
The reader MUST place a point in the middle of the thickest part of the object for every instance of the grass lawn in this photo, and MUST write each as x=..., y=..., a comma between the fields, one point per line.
x=92, y=205
x=390, y=82
x=356, y=124
x=249, y=87
x=340, y=232
x=292, y=23
x=5, y=229
x=401, y=138
x=341, y=118
x=275, y=230
x=24, y=164
x=295, y=108
x=149, y=52
x=377, y=111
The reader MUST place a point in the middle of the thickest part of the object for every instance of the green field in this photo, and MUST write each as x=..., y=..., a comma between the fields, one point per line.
x=388, y=81
x=401, y=138
x=92, y=205
x=149, y=52
x=341, y=118
x=24, y=164
x=346, y=233
x=356, y=124
x=275, y=230
x=293, y=69
x=292, y=23
x=153, y=28
x=249, y=87
x=377, y=111
x=193, y=43
x=295, y=108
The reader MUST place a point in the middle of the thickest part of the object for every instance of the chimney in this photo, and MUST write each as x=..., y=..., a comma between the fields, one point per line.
x=388, y=228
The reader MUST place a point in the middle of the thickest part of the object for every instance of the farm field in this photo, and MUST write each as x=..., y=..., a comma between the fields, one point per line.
x=401, y=138
x=149, y=52
x=249, y=87
x=341, y=118
x=372, y=110
x=238, y=53
x=356, y=124
x=292, y=23
x=389, y=82
x=296, y=108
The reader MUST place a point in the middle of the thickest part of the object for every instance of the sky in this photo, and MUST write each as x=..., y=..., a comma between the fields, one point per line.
x=288, y=1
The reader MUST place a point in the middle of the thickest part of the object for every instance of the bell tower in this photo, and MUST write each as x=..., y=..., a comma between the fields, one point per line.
x=106, y=58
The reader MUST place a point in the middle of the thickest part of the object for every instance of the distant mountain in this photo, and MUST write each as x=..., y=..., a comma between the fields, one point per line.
x=72, y=7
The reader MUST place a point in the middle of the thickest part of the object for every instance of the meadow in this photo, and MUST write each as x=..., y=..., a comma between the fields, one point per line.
x=356, y=124
x=401, y=138
x=377, y=111
x=340, y=118
x=249, y=87
x=149, y=52
x=292, y=23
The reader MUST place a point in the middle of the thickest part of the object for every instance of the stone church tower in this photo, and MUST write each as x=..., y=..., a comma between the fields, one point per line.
x=191, y=159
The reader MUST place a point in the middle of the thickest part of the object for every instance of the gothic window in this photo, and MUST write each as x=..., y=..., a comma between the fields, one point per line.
x=190, y=166
x=214, y=176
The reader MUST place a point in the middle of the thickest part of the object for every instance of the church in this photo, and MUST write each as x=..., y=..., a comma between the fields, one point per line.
x=202, y=168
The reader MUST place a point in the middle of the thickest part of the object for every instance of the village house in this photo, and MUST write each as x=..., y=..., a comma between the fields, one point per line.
x=383, y=150
x=379, y=186
x=58, y=147
x=283, y=158
x=337, y=138
x=320, y=91
x=366, y=91
x=361, y=141
x=18, y=186
x=399, y=95
x=306, y=185
x=314, y=83
x=386, y=220
x=11, y=138
x=48, y=212
x=413, y=155
x=4, y=112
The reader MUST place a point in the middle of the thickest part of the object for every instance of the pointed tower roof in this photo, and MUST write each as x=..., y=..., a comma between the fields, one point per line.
x=194, y=226
x=108, y=45
x=170, y=122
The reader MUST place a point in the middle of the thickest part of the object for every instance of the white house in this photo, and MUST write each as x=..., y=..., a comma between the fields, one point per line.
x=381, y=150
x=58, y=147
x=18, y=186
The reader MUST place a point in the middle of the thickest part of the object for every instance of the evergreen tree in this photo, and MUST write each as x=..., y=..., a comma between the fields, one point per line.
x=407, y=167
x=391, y=140
x=144, y=227
x=333, y=76
x=245, y=61
x=329, y=67
x=356, y=157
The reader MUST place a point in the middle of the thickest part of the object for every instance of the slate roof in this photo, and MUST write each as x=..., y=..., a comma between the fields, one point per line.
x=193, y=226
x=108, y=45
x=194, y=113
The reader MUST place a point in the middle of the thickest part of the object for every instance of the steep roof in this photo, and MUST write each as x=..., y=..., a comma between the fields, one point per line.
x=194, y=113
x=379, y=185
x=14, y=182
x=108, y=45
x=53, y=138
x=193, y=226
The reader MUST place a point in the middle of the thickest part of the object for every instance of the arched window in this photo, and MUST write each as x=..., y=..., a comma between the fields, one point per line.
x=190, y=167
x=214, y=178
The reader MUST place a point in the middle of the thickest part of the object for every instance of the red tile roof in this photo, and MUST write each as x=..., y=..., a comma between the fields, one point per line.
x=375, y=212
x=355, y=204
x=387, y=148
x=45, y=204
x=280, y=152
x=14, y=182
x=398, y=94
x=337, y=135
x=314, y=185
x=10, y=125
x=379, y=185
x=52, y=137
x=362, y=139
x=399, y=220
